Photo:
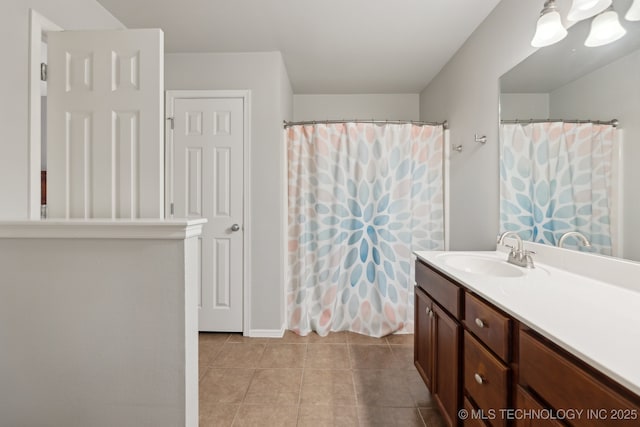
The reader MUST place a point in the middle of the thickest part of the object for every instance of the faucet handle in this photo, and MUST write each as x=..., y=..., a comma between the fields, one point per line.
x=527, y=258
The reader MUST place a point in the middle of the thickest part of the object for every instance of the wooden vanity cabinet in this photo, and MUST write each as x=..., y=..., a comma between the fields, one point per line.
x=437, y=340
x=487, y=353
x=423, y=349
x=525, y=402
x=563, y=382
x=473, y=356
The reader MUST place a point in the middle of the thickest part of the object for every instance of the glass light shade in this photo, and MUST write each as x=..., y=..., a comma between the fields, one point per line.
x=583, y=9
x=633, y=14
x=605, y=28
x=549, y=30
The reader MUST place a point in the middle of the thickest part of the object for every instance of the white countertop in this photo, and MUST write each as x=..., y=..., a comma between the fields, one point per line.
x=596, y=321
x=102, y=229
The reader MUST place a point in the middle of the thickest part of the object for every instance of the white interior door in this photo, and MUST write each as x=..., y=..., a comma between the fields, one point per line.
x=105, y=153
x=207, y=144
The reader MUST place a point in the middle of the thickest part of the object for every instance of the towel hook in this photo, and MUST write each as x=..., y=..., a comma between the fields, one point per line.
x=481, y=139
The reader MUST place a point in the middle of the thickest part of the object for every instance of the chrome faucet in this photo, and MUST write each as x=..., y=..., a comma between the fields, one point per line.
x=585, y=242
x=517, y=256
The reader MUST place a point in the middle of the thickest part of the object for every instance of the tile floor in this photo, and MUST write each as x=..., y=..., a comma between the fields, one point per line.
x=344, y=379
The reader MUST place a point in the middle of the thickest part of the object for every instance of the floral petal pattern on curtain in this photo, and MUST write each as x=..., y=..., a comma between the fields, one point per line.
x=557, y=177
x=362, y=197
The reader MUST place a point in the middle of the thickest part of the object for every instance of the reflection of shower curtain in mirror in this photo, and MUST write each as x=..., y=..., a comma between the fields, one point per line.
x=361, y=198
x=558, y=177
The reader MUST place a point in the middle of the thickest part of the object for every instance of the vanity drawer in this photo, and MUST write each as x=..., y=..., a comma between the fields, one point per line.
x=489, y=325
x=441, y=289
x=563, y=384
x=473, y=419
x=486, y=378
x=533, y=414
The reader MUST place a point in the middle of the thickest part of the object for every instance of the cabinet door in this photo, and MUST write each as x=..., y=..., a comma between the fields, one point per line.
x=447, y=335
x=423, y=348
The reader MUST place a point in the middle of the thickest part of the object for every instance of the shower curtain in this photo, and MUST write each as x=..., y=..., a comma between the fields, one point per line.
x=361, y=198
x=556, y=177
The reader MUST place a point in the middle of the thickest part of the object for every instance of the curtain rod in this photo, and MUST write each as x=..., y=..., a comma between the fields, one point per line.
x=613, y=122
x=444, y=124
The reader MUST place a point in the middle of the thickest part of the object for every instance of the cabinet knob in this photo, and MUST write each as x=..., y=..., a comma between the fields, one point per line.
x=479, y=322
x=478, y=378
x=429, y=312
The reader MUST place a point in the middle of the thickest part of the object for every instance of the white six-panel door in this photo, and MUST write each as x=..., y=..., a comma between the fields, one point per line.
x=105, y=153
x=206, y=161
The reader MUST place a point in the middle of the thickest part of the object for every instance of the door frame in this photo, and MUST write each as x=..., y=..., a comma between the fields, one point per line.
x=38, y=28
x=245, y=95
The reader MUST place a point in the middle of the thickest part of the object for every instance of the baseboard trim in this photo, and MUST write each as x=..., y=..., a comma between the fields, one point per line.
x=266, y=333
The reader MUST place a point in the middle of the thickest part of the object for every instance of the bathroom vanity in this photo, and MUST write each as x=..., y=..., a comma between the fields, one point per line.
x=500, y=345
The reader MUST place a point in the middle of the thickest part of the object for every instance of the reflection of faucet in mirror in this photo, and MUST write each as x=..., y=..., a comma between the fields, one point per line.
x=579, y=235
x=517, y=256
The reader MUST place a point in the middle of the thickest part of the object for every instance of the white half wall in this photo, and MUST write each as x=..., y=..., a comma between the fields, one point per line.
x=14, y=48
x=264, y=75
x=466, y=93
x=100, y=329
x=361, y=106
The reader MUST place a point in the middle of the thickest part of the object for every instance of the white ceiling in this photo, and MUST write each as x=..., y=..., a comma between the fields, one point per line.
x=328, y=46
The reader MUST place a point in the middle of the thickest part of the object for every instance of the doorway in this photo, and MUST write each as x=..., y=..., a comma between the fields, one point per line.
x=207, y=177
x=39, y=27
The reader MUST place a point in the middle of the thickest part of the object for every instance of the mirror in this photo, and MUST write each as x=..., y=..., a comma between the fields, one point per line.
x=568, y=81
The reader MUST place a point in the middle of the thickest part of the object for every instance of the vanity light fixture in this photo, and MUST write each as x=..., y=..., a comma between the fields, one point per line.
x=633, y=14
x=549, y=28
x=605, y=28
x=583, y=9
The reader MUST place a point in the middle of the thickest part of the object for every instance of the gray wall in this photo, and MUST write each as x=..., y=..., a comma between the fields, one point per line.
x=263, y=74
x=524, y=106
x=612, y=92
x=466, y=93
x=404, y=106
x=14, y=48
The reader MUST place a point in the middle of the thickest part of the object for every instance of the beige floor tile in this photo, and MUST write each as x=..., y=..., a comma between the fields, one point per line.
x=327, y=416
x=332, y=338
x=400, y=339
x=381, y=387
x=327, y=387
x=354, y=338
x=220, y=415
x=283, y=356
x=202, y=370
x=223, y=386
x=208, y=351
x=293, y=338
x=328, y=356
x=372, y=357
x=432, y=417
x=213, y=337
x=403, y=356
x=239, y=355
x=400, y=417
x=239, y=338
x=419, y=392
x=266, y=415
x=275, y=387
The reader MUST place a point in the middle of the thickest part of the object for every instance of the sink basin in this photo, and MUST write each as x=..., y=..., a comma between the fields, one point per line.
x=483, y=266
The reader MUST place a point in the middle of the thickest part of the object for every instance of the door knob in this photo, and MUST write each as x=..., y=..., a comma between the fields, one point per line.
x=235, y=227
